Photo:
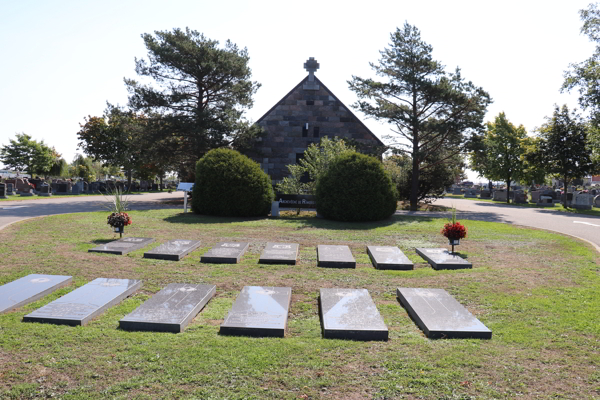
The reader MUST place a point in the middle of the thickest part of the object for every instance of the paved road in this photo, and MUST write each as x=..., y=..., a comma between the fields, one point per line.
x=13, y=211
x=583, y=226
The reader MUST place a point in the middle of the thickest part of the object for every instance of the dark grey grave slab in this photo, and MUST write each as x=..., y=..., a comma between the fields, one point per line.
x=259, y=311
x=351, y=314
x=173, y=250
x=169, y=310
x=439, y=315
x=279, y=253
x=443, y=259
x=225, y=253
x=28, y=289
x=84, y=303
x=335, y=256
x=122, y=246
x=387, y=257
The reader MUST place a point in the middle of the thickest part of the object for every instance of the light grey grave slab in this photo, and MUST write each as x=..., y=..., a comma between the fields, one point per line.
x=85, y=303
x=351, y=314
x=173, y=250
x=388, y=257
x=259, y=311
x=443, y=259
x=169, y=310
x=28, y=289
x=439, y=315
x=335, y=256
x=225, y=253
x=279, y=253
x=122, y=246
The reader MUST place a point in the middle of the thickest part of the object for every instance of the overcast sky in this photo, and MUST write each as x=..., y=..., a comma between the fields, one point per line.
x=63, y=60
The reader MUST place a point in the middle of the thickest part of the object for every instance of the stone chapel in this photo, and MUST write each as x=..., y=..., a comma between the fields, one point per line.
x=307, y=113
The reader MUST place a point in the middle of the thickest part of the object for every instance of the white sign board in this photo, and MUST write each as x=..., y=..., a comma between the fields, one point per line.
x=185, y=186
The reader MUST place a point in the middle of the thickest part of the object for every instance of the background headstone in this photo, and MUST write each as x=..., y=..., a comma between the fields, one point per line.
x=10, y=189
x=28, y=289
x=169, y=310
x=259, y=311
x=3, y=191
x=387, y=257
x=85, y=303
x=499, y=195
x=351, y=314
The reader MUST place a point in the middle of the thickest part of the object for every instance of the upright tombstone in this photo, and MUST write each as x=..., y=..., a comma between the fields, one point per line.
x=122, y=246
x=457, y=190
x=3, y=191
x=279, y=253
x=470, y=193
x=85, y=303
x=45, y=190
x=597, y=201
x=583, y=201
x=387, y=257
x=439, y=315
x=10, y=189
x=225, y=253
x=485, y=194
x=443, y=259
x=173, y=250
x=335, y=256
x=520, y=197
x=259, y=311
x=499, y=195
x=28, y=289
x=169, y=310
x=351, y=314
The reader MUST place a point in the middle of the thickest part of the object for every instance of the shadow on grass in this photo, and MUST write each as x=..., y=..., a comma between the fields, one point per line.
x=103, y=241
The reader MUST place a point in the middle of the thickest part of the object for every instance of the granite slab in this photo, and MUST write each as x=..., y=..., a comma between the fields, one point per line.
x=259, y=311
x=279, y=253
x=439, y=315
x=351, y=314
x=28, y=289
x=443, y=259
x=122, y=246
x=173, y=250
x=225, y=253
x=85, y=303
x=335, y=256
x=388, y=257
x=169, y=310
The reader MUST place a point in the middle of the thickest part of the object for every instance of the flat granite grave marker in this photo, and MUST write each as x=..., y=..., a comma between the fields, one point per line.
x=81, y=305
x=122, y=246
x=439, y=315
x=443, y=259
x=259, y=311
x=351, y=314
x=225, y=253
x=388, y=257
x=335, y=256
x=169, y=310
x=279, y=253
x=28, y=289
x=173, y=250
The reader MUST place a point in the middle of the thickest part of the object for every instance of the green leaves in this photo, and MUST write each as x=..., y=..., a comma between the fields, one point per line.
x=26, y=154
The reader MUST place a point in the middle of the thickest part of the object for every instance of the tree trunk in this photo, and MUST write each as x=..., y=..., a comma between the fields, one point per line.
x=414, y=187
x=161, y=183
x=129, y=179
x=490, y=187
x=508, y=191
x=566, y=191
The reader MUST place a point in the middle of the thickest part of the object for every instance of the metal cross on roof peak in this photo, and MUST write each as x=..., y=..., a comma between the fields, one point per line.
x=311, y=65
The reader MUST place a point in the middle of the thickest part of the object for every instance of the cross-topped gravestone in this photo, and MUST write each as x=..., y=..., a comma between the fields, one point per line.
x=311, y=65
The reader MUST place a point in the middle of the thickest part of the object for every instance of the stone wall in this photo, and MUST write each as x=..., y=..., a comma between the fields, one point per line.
x=287, y=134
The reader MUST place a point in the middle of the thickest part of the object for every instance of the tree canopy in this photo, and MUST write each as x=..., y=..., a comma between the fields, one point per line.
x=430, y=111
x=27, y=154
x=199, y=93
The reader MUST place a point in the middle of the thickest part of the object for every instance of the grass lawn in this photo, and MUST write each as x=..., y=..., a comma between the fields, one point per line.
x=538, y=292
x=557, y=207
x=60, y=196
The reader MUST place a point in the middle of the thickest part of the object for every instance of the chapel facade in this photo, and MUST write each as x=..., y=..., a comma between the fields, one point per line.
x=307, y=113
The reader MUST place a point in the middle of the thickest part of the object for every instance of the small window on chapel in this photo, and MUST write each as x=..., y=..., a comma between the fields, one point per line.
x=305, y=130
x=316, y=131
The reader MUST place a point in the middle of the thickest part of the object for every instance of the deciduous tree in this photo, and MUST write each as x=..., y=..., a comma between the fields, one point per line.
x=430, y=111
x=27, y=154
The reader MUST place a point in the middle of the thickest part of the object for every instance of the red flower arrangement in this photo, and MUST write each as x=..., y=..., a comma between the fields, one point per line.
x=454, y=231
x=118, y=220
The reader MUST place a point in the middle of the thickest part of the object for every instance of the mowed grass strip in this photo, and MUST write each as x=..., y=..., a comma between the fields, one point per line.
x=537, y=291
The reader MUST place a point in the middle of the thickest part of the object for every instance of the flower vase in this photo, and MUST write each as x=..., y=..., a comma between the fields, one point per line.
x=453, y=242
x=119, y=230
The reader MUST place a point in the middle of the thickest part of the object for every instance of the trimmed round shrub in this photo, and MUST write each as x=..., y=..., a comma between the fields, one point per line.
x=229, y=184
x=356, y=188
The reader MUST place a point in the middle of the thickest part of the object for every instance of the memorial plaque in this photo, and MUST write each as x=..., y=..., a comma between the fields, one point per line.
x=85, y=303
x=279, y=253
x=169, y=310
x=335, y=256
x=387, y=257
x=351, y=314
x=439, y=315
x=225, y=253
x=173, y=250
x=122, y=246
x=28, y=289
x=259, y=311
x=443, y=259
